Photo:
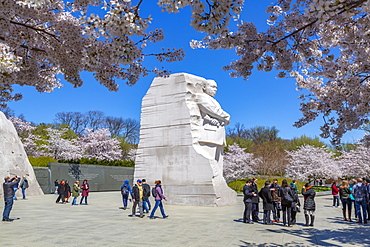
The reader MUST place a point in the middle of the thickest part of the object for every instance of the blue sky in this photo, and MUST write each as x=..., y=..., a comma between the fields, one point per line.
x=263, y=100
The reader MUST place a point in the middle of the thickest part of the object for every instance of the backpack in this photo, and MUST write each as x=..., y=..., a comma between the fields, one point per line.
x=154, y=192
x=124, y=190
x=286, y=196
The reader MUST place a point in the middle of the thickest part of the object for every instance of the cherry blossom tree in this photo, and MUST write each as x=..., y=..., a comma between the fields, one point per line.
x=356, y=163
x=99, y=144
x=60, y=148
x=310, y=163
x=322, y=44
x=238, y=164
x=28, y=139
x=42, y=39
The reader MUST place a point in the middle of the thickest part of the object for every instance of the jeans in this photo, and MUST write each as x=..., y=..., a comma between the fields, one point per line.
x=146, y=204
x=15, y=197
x=74, y=201
x=361, y=205
x=266, y=216
x=275, y=211
x=140, y=203
x=335, y=201
x=7, y=207
x=287, y=214
x=24, y=193
x=125, y=200
x=158, y=203
x=83, y=198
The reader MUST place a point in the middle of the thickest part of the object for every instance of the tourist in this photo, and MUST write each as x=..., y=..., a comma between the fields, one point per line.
x=75, y=192
x=61, y=192
x=248, y=197
x=125, y=192
x=146, y=195
x=24, y=185
x=266, y=197
x=8, y=190
x=352, y=183
x=274, y=187
x=344, y=194
x=368, y=205
x=295, y=207
x=286, y=195
x=335, y=193
x=360, y=193
x=15, y=188
x=56, y=184
x=309, y=205
x=255, y=201
x=294, y=186
x=158, y=200
x=137, y=198
x=67, y=193
x=85, y=187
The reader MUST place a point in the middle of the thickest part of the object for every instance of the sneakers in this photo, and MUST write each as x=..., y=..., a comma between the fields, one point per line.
x=164, y=217
x=142, y=216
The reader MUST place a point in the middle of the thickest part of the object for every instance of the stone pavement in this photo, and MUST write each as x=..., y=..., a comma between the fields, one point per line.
x=42, y=222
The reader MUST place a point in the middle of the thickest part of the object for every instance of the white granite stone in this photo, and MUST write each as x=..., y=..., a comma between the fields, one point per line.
x=175, y=146
x=13, y=158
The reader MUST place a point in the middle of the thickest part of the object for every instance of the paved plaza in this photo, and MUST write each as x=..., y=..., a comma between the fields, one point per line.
x=42, y=222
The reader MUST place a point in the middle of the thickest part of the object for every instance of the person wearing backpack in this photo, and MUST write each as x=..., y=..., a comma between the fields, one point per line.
x=361, y=198
x=125, y=192
x=286, y=194
x=158, y=193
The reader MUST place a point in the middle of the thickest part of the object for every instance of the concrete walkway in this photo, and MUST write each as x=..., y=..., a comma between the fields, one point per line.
x=42, y=222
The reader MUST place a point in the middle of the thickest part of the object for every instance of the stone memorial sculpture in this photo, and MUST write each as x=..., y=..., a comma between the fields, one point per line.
x=182, y=138
x=13, y=158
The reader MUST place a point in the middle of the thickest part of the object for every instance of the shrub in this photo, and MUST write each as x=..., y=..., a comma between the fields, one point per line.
x=41, y=161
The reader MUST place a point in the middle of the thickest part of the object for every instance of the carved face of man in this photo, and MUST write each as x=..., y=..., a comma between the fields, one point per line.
x=210, y=88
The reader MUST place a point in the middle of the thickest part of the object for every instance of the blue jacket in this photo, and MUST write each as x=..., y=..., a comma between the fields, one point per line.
x=127, y=184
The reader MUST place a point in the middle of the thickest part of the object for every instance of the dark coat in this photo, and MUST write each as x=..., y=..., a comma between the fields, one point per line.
x=285, y=190
x=146, y=190
x=309, y=199
x=8, y=188
x=266, y=197
x=344, y=193
x=85, y=189
x=248, y=193
x=255, y=199
x=61, y=189
x=135, y=193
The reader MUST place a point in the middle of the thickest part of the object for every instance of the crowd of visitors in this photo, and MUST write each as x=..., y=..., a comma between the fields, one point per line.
x=64, y=191
x=278, y=199
x=140, y=194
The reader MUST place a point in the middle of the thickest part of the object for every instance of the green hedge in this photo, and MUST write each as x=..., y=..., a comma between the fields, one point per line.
x=41, y=161
x=124, y=163
x=239, y=184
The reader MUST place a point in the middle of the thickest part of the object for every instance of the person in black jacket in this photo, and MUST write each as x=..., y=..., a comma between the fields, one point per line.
x=265, y=194
x=248, y=195
x=146, y=195
x=61, y=192
x=8, y=195
x=255, y=201
x=309, y=205
x=286, y=194
x=295, y=205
